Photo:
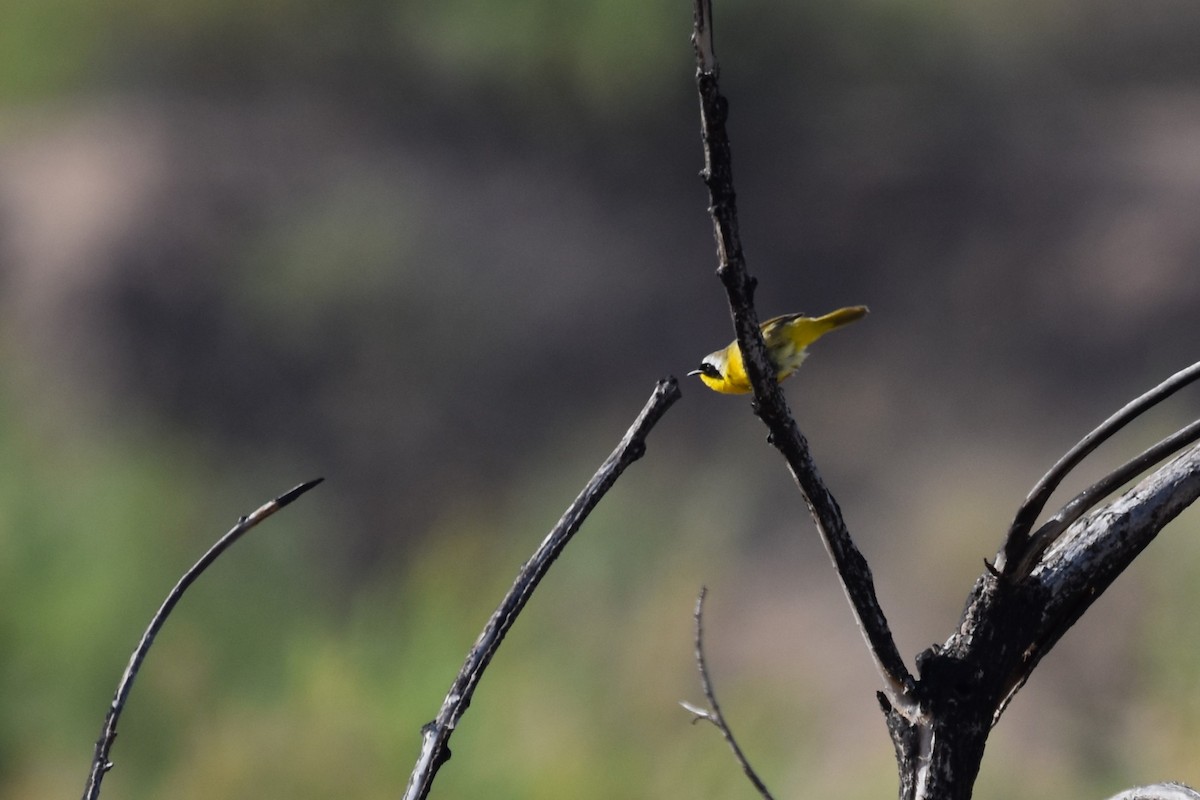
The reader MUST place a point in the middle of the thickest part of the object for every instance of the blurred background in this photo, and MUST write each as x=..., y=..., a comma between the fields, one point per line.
x=439, y=253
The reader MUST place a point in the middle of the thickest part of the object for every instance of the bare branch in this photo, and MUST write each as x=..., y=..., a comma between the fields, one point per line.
x=1017, y=543
x=702, y=36
x=1079, y=505
x=1158, y=791
x=713, y=712
x=100, y=763
x=1098, y=547
x=770, y=405
x=435, y=736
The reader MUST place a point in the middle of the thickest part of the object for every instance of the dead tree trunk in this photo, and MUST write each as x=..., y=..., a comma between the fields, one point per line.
x=1038, y=585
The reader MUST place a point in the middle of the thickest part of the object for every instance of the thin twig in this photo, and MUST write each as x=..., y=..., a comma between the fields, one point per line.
x=770, y=405
x=435, y=735
x=713, y=712
x=100, y=763
x=1013, y=557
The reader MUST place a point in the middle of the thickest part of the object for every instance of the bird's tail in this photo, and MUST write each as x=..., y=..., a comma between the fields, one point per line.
x=814, y=328
x=843, y=316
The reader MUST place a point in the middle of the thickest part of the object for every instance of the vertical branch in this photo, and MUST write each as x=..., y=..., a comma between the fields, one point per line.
x=770, y=405
x=718, y=177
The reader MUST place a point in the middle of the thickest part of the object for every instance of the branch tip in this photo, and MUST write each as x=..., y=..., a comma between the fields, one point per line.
x=292, y=494
x=101, y=764
x=702, y=36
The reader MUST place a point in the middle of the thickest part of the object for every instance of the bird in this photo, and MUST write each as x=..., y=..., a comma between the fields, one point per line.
x=787, y=338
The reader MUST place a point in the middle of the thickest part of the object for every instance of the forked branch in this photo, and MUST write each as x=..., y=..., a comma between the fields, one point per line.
x=1079, y=505
x=1020, y=548
x=1095, y=549
x=1042, y=582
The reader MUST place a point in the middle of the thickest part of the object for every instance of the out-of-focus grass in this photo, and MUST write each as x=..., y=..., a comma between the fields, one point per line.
x=270, y=680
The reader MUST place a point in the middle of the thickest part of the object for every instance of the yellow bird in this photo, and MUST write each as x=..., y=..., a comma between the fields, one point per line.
x=787, y=338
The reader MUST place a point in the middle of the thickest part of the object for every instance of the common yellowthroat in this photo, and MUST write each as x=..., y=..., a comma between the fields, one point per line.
x=787, y=338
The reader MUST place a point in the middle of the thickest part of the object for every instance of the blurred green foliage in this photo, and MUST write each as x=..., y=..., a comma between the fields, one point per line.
x=607, y=56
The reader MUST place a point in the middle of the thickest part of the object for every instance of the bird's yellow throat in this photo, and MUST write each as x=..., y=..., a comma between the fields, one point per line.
x=787, y=338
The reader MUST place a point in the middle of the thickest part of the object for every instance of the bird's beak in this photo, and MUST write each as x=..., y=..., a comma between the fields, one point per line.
x=694, y=372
